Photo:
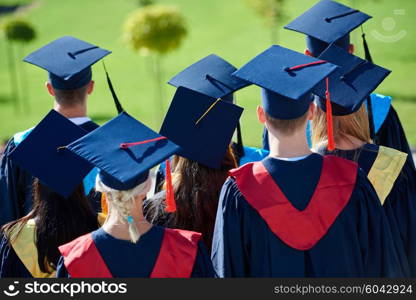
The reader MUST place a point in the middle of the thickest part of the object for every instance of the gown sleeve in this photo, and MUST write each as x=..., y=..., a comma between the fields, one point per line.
x=10, y=264
x=8, y=183
x=15, y=188
x=380, y=255
x=203, y=265
x=227, y=252
x=61, y=271
x=400, y=207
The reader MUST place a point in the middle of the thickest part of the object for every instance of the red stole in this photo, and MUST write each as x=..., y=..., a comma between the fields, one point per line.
x=298, y=229
x=176, y=257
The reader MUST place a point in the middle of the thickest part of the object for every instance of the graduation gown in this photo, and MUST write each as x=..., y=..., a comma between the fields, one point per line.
x=394, y=179
x=159, y=253
x=19, y=256
x=18, y=253
x=16, y=183
x=316, y=217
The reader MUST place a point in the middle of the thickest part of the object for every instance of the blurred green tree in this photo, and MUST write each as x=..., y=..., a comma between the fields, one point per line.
x=17, y=32
x=154, y=31
x=145, y=2
x=273, y=13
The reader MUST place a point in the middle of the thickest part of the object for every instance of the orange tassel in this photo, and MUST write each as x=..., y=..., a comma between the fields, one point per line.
x=330, y=126
x=170, y=195
x=104, y=206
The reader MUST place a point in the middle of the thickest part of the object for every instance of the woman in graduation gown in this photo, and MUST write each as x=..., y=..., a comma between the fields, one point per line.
x=196, y=197
x=202, y=168
x=297, y=213
x=29, y=245
x=212, y=76
x=127, y=245
x=386, y=128
x=389, y=170
x=61, y=211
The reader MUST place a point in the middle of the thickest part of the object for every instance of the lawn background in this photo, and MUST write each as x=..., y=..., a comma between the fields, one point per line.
x=228, y=28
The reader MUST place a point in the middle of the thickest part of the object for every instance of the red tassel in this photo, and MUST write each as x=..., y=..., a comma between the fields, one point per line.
x=306, y=65
x=170, y=195
x=330, y=127
x=128, y=145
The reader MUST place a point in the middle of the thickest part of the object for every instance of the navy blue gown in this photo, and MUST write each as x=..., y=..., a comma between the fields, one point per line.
x=399, y=206
x=10, y=263
x=358, y=244
x=391, y=134
x=16, y=183
x=125, y=259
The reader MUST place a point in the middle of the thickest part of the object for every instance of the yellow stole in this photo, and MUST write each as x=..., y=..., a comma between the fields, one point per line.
x=24, y=246
x=385, y=170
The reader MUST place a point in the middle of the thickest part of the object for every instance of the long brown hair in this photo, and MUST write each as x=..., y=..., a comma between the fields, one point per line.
x=355, y=124
x=58, y=221
x=197, y=189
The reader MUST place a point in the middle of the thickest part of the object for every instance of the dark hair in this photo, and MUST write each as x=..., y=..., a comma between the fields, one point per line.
x=58, y=221
x=197, y=189
x=71, y=97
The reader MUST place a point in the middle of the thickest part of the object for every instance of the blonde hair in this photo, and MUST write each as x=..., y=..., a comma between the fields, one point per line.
x=355, y=124
x=122, y=202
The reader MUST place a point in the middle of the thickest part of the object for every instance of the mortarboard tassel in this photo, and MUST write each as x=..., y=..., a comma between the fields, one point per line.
x=368, y=57
x=128, y=145
x=113, y=92
x=330, y=128
x=367, y=53
x=170, y=195
x=104, y=205
x=240, y=146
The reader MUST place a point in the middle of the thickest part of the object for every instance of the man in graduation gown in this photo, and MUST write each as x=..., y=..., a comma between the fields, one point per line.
x=330, y=22
x=59, y=202
x=296, y=213
x=68, y=62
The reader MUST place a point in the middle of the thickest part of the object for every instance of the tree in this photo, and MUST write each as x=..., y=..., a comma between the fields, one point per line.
x=154, y=31
x=273, y=12
x=19, y=32
x=145, y=2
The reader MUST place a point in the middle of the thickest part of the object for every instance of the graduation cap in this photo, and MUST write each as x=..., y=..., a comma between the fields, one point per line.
x=287, y=79
x=124, y=150
x=327, y=22
x=351, y=83
x=201, y=125
x=68, y=61
x=211, y=76
x=41, y=153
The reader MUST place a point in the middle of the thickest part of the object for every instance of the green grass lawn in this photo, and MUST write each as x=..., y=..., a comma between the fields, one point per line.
x=228, y=28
